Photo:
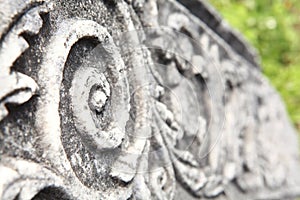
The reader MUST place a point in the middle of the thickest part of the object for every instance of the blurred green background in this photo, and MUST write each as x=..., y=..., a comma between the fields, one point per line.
x=273, y=27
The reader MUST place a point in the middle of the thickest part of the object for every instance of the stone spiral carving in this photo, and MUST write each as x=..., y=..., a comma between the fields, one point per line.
x=136, y=100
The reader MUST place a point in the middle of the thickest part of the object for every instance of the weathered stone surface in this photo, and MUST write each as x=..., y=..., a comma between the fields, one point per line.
x=136, y=99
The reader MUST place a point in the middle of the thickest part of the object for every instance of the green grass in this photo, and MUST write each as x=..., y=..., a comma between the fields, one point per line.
x=273, y=27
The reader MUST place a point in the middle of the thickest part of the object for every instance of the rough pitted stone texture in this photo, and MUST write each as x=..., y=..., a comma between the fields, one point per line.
x=136, y=99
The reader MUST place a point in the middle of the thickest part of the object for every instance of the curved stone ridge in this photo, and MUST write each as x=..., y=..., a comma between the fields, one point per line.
x=136, y=100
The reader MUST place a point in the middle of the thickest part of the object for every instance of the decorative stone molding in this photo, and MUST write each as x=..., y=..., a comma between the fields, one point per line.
x=136, y=100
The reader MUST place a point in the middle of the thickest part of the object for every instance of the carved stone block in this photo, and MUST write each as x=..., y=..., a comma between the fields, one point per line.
x=156, y=99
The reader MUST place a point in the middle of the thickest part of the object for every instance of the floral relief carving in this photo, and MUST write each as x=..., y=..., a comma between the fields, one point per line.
x=134, y=100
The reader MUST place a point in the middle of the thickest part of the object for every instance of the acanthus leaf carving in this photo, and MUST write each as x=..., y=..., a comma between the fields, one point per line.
x=18, y=87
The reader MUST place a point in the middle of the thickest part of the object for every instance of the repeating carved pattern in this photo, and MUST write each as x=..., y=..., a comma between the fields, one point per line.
x=134, y=100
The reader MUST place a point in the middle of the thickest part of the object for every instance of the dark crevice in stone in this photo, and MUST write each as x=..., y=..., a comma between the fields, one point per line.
x=51, y=193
